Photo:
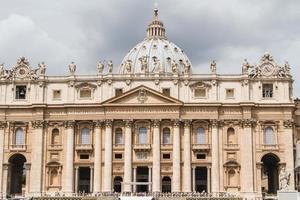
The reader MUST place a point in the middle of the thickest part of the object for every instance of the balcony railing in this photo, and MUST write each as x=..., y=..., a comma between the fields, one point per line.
x=269, y=147
x=84, y=147
x=231, y=146
x=201, y=147
x=55, y=147
x=119, y=146
x=18, y=147
x=142, y=147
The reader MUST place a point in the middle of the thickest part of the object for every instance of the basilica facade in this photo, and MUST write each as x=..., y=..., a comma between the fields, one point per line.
x=152, y=126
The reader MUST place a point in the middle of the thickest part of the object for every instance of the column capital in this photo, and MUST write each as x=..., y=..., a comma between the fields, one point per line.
x=3, y=124
x=247, y=123
x=176, y=122
x=187, y=123
x=69, y=124
x=156, y=123
x=38, y=124
x=214, y=123
x=288, y=123
x=128, y=123
x=108, y=123
x=98, y=123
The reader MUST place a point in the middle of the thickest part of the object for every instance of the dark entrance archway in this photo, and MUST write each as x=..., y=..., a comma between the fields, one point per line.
x=270, y=173
x=201, y=179
x=84, y=179
x=166, y=184
x=17, y=173
x=118, y=184
x=142, y=175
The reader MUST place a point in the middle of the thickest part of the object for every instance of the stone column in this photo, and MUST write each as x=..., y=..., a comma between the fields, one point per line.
x=150, y=179
x=258, y=177
x=91, y=179
x=194, y=179
x=76, y=179
x=2, y=128
x=289, y=150
x=36, y=178
x=156, y=156
x=108, y=157
x=68, y=188
x=246, y=142
x=134, y=179
x=187, y=157
x=6, y=168
x=176, y=157
x=27, y=168
x=208, y=179
x=215, y=175
x=97, y=158
x=128, y=157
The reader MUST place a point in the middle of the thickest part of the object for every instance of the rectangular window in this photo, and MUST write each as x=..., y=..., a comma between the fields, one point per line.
x=267, y=91
x=166, y=156
x=118, y=156
x=21, y=92
x=118, y=92
x=200, y=92
x=84, y=156
x=56, y=94
x=85, y=93
x=229, y=93
x=201, y=156
x=166, y=91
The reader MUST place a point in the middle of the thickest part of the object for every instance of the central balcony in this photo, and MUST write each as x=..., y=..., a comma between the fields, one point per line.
x=84, y=147
x=201, y=147
x=142, y=147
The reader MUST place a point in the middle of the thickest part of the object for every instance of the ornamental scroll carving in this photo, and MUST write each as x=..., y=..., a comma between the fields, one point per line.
x=69, y=124
x=288, y=123
x=38, y=124
x=3, y=124
x=23, y=70
x=267, y=67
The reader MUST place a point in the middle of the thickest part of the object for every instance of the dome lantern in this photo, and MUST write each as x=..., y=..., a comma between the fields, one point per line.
x=156, y=27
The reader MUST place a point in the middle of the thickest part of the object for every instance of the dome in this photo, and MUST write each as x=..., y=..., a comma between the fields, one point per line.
x=155, y=54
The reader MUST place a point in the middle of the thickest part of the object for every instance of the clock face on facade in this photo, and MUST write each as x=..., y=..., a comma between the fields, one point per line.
x=21, y=72
x=267, y=69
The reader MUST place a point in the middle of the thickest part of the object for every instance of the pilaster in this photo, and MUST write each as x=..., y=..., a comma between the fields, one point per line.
x=97, y=157
x=176, y=157
x=215, y=175
x=187, y=157
x=37, y=158
x=2, y=131
x=128, y=156
x=156, y=156
x=108, y=157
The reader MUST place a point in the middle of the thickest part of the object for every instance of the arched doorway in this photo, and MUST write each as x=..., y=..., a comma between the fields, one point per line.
x=166, y=184
x=118, y=184
x=17, y=173
x=269, y=173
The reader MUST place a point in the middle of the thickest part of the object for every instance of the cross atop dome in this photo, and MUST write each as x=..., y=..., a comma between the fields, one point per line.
x=156, y=27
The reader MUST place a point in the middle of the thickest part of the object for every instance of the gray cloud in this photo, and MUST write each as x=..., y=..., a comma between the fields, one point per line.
x=59, y=32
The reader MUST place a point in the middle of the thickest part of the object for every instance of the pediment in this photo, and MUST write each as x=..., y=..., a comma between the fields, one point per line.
x=200, y=84
x=142, y=96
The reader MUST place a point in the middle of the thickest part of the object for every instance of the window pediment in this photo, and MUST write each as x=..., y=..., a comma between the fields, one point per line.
x=200, y=84
x=85, y=85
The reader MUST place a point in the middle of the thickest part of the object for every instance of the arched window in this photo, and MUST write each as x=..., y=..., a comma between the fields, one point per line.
x=54, y=177
x=142, y=135
x=19, y=136
x=166, y=136
x=55, y=136
x=118, y=184
x=200, y=136
x=118, y=136
x=269, y=136
x=85, y=136
x=232, y=178
x=231, y=136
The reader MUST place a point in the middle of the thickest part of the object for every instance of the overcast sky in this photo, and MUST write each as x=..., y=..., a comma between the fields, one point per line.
x=84, y=31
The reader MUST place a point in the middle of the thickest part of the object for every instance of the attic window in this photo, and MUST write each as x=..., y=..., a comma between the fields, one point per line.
x=56, y=94
x=118, y=91
x=85, y=93
x=229, y=93
x=21, y=92
x=166, y=91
